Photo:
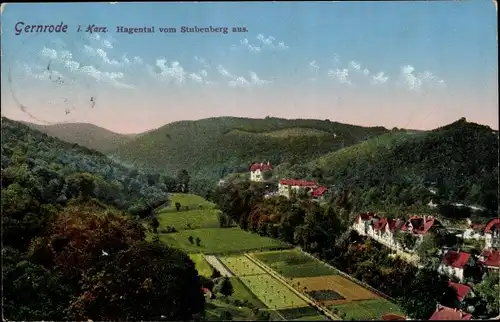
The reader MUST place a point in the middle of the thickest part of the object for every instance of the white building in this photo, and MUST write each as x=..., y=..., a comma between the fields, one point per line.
x=454, y=263
x=257, y=171
x=287, y=187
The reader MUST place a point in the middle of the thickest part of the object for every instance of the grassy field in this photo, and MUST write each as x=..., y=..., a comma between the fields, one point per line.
x=365, y=310
x=272, y=293
x=195, y=213
x=220, y=241
x=242, y=293
x=241, y=266
x=285, y=133
x=202, y=266
x=293, y=263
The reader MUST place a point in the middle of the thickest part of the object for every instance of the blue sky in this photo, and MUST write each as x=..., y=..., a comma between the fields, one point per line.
x=415, y=64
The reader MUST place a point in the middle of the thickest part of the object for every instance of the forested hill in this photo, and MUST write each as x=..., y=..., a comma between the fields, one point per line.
x=213, y=147
x=460, y=161
x=38, y=167
x=88, y=135
x=72, y=248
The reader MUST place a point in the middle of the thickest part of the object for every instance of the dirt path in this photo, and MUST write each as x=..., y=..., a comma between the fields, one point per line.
x=299, y=294
x=216, y=263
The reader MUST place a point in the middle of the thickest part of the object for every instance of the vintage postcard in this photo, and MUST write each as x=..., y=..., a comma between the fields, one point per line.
x=273, y=161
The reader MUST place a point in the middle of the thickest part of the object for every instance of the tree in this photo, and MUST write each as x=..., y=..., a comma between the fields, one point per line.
x=191, y=239
x=183, y=179
x=427, y=249
x=421, y=295
x=178, y=206
x=226, y=288
x=169, y=288
x=489, y=295
x=154, y=224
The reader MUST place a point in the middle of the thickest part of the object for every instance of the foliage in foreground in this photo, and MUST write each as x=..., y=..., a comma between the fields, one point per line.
x=70, y=251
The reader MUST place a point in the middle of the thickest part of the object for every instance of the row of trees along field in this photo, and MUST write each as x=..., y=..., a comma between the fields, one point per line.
x=72, y=246
x=323, y=231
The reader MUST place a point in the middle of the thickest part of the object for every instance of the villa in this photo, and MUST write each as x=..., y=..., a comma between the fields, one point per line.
x=454, y=262
x=257, y=171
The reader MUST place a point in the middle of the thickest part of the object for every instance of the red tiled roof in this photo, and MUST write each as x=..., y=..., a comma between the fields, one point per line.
x=491, y=258
x=393, y=317
x=205, y=290
x=380, y=224
x=261, y=166
x=419, y=226
x=300, y=183
x=395, y=224
x=367, y=216
x=319, y=191
x=495, y=223
x=462, y=290
x=456, y=259
x=446, y=313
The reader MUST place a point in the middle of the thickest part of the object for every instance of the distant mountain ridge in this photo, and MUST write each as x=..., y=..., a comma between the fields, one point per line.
x=85, y=134
x=216, y=146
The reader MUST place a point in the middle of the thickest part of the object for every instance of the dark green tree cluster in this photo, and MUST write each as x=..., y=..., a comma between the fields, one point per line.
x=70, y=249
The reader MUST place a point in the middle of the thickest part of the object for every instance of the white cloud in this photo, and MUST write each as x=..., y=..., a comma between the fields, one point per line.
x=245, y=43
x=380, y=78
x=257, y=81
x=42, y=73
x=65, y=58
x=202, y=61
x=366, y=72
x=200, y=77
x=341, y=75
x=240, y=81
x=314, y=65
x=355, y=65
x=107, y=44
x=112, y=78
x=416, y=80
x=263, y=42
x=173, y=72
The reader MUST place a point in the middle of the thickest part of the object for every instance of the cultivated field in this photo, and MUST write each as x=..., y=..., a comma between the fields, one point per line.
x=195, y=212
x=201, y=265
x=335, y=289
x=241, y=266
x=220, y=240
x=306, y=313
x=273, y=293
x=366, y=310
x=293, y=263
x=243, y=293
x=216, y=263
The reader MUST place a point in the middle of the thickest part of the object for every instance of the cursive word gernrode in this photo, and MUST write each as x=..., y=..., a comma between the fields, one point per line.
x=21, y=27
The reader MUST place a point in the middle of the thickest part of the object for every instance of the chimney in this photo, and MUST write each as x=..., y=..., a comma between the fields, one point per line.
x=438, y=307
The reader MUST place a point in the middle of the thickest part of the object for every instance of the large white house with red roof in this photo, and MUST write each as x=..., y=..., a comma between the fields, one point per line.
x=383, y=229
x=454, y=263
x=257, y=171
x=287, y=187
